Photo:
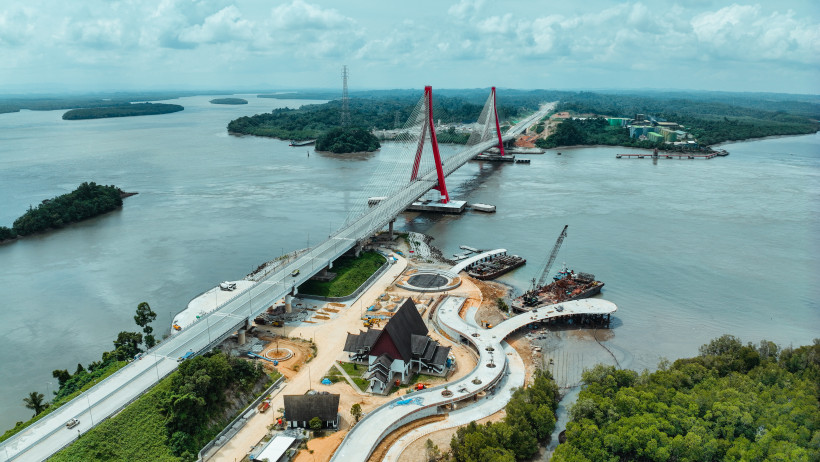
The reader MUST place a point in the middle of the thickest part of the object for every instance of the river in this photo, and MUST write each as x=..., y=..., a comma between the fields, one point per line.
x=688, y=249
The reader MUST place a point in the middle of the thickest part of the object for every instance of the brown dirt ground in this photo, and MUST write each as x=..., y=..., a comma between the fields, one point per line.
x=301, y=351
x=381, y=449
x=322, y=448
x=417, y=450
x=490, y=292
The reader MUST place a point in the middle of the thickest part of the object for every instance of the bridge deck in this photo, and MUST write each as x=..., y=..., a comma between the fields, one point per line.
x=48, y=435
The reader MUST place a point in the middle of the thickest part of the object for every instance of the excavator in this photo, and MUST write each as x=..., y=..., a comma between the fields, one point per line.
x=531, y=297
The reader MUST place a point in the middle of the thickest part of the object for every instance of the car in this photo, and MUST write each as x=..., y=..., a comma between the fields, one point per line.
x=189, y=354
x=72, y=423
x=295, y=273
x=227, y=286
x=138, y=356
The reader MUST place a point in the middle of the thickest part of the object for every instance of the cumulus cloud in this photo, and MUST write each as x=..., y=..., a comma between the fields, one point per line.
x=16, y=25
x=226, y=25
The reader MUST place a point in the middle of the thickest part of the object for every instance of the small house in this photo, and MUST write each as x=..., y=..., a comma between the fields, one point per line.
x=301, y=409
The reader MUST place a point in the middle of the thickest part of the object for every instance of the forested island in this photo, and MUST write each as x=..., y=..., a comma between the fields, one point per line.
x=229, y=101
x=382, y=110
x=711, y=117
x=732, y=402
x=125, y=110
x=87, y=201
x=347, y=139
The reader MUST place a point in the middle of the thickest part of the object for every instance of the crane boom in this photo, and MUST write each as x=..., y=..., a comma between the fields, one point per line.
x=554, y=253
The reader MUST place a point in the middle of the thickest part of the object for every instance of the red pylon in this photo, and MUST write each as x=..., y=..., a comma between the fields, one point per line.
x=441, y=186
x=497, y=127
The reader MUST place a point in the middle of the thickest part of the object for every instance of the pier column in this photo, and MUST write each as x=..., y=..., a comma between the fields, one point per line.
x=390, y=229
x=288, y=301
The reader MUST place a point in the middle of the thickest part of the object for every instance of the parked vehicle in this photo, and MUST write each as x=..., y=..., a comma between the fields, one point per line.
x=72, y=423
x=295, y=273
x=189, y=354
x=227, y=286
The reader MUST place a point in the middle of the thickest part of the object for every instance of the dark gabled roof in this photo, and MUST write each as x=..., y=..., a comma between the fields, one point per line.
x=305, y=407
x=383, y=361
x=378, y=375
x=366, y=339
x=401, y=327
x=440, y=358
x=418, y=343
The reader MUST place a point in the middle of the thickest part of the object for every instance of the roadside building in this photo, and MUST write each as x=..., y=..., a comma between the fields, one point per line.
x=278, y=449
x=394, y=353
x=301, y=409
x=654, y=137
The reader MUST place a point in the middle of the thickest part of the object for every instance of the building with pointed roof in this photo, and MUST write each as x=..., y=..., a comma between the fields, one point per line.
x=394, y=353
x=301, y=409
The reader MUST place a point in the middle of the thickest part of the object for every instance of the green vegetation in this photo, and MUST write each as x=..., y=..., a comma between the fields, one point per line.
x=351, y=272
x=593, y=131
x=732, y=402
x=100, y=374
x=347, y=139
x=229, y=101
x=709, y=121
x=58, y=102
x=356, y=371
x=356, y=411
x=87, y=201
x=35, y=402
x=7, y=233
x=530, y=419
x=125, y=110
x=175, y=418
x=126, y=347
x=379, y=110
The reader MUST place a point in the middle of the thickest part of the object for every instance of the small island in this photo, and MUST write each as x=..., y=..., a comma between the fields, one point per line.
x=87, y=201
x=346, y=140
x=229, y=101
x=125, y=110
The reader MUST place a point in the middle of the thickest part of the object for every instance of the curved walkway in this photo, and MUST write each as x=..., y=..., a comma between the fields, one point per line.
x=492, y=365
x=464, y=264
x=486, y=406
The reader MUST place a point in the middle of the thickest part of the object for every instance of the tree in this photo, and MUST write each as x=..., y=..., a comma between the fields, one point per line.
x=61, y=375
x=34, y=401
x=127, y=345
x=315, y=424
x=356, y=411
x=150, y=341
x=144, y=317
x=80, y=369
x=433, y=453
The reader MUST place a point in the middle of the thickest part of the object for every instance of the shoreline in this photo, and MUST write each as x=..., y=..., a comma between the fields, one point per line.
x=711, y=146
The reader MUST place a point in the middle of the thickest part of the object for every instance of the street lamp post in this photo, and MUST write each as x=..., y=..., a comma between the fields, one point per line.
x=89, y=409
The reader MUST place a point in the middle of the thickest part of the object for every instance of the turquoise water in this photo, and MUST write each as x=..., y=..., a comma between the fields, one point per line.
x=688, y=249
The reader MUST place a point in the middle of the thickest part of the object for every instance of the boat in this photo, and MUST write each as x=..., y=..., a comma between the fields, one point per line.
x=495, y=266
x=295, y=143
x=567, y=285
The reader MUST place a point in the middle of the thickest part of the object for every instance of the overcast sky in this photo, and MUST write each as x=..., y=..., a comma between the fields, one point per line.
x=82, y=45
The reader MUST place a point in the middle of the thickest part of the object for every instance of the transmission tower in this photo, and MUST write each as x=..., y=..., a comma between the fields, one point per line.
x=345, y=115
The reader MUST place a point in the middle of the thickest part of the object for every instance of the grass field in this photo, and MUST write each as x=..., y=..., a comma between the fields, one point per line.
x=351, y=272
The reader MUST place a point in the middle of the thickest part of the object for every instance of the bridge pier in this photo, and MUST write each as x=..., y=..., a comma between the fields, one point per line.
x=390, y=229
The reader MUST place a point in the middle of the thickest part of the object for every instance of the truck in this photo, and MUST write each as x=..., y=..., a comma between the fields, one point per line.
x=189, y=354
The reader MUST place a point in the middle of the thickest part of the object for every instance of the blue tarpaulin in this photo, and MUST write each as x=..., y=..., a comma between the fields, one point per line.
x=326, y=382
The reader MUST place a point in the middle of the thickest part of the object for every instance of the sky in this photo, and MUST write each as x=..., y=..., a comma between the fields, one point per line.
x=110, y=45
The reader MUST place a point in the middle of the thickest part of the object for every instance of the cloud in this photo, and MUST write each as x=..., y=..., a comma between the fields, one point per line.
x=224, y=26
x=743, y=32
x=16, y=26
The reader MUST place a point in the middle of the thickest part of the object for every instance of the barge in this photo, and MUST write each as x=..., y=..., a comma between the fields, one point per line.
x=494, y=267
x=568, y=285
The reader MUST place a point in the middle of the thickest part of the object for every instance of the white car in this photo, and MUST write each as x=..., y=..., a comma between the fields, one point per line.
x=72, y=423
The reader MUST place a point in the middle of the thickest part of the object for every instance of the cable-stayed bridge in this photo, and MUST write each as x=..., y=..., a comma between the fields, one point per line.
x=399, y=183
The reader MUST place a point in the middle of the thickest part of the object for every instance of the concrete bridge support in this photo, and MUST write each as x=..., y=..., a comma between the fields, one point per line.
x=390, y=229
